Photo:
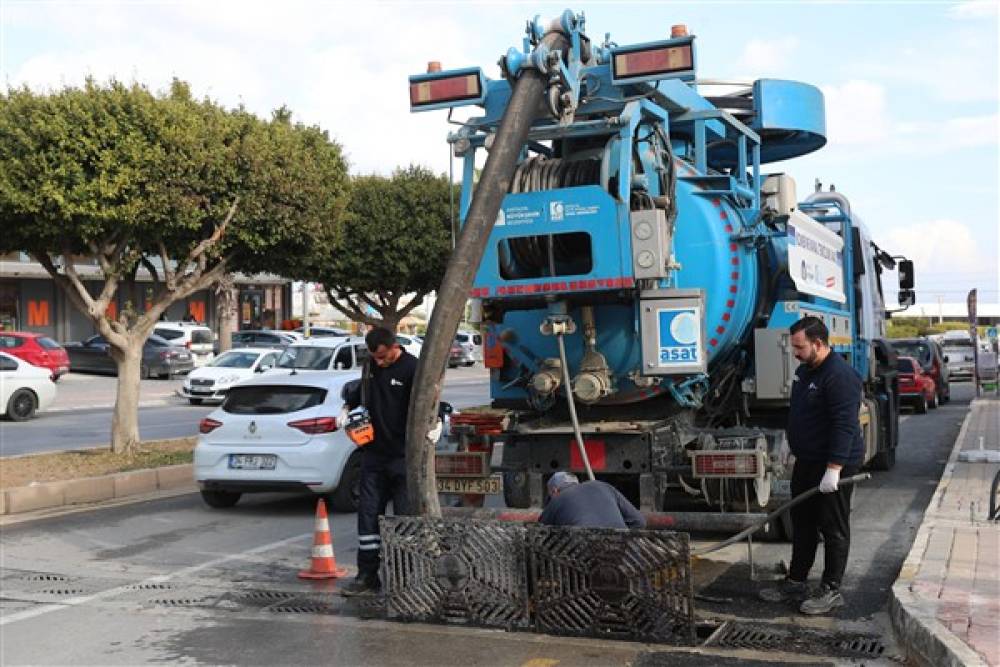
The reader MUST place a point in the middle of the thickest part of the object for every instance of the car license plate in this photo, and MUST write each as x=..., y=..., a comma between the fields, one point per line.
x=478, y=485
x=253, y=461
x=201, y=391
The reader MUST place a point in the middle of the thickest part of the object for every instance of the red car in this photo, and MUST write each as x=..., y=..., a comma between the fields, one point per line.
x=37, y=350
x=915, y=386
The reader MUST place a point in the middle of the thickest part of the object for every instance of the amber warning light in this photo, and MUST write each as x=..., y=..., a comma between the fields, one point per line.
x=453, y=88
x=670, y=59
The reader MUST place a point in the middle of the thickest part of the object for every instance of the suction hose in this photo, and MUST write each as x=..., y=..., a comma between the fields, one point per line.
x=572, y=407
x=526, y=104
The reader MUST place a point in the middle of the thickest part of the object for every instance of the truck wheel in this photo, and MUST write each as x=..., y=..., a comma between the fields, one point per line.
x=921, y=405
x=884, y=460
x=220, y=499
x=345, y=497
x=516, y=493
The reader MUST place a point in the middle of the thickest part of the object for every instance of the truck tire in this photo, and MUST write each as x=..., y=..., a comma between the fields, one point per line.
x=220, y=499
x=516, y=493
x=345, y=497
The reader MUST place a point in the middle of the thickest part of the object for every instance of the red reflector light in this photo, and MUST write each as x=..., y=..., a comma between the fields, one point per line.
x=453, y=88
x=460, y=464
x=672, y=58
x=208, y=425
x=316, y=425
x=725, y=464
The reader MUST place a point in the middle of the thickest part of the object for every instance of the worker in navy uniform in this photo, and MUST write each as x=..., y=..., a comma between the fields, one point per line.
x=824, y=434
x=593, y=504
x=384, y=391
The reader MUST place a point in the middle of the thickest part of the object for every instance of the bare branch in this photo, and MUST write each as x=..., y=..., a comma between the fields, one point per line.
x=414, y=302
x=197, y=254
x=168, y=273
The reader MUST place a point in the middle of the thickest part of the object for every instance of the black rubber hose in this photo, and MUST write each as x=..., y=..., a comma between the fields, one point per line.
x=525, y=105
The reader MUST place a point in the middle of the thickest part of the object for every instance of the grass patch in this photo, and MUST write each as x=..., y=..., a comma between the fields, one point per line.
x=24, y=470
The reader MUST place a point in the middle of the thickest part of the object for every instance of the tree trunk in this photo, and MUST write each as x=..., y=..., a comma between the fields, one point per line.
x=125, y=422
x=226, y=314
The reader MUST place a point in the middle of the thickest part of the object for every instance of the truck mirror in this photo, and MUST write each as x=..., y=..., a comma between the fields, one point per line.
x=906, y=297
x=905, y=268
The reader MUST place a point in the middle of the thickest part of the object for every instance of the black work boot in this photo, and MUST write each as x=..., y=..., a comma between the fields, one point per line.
x=362, y=585
x=786, y=589
x=825, y=600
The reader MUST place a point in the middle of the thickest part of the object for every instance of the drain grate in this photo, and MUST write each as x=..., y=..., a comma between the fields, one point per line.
x=151, y=587
x=179, y=602
x=269, y=596
x=796, y=640
x=302, y=609
x=46, y=577
x=63, y=591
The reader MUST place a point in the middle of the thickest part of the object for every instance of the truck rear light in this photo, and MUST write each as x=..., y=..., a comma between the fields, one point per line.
x=669, y=59
x=460, y=464
x=749, y=464
x=453, y=88
x=208, y=425
x=316, y=425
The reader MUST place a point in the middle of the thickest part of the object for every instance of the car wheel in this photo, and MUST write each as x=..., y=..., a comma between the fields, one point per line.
x=921, y=406
x=21, y=405
x=220, y=499
x=933, y=402
x=470, y=363
x=345, y=497
x=451, y=365
x=195, y=401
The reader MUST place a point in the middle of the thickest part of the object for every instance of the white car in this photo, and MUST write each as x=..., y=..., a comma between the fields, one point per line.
x=212, y=381
x=195, y=337
x=24, y=388
x=279, y=432
x=411, y=344
x=324, y=354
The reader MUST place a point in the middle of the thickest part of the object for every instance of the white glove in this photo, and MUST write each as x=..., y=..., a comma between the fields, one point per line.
x=342, y=417
x=435, y=433
x=830, y=480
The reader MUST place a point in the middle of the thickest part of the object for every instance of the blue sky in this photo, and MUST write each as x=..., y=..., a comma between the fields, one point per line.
x=911, y=88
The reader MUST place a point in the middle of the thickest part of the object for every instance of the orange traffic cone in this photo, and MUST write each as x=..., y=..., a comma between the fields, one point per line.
x=324, y=565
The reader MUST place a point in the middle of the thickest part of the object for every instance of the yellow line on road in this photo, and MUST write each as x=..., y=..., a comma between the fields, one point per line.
x=540, y=662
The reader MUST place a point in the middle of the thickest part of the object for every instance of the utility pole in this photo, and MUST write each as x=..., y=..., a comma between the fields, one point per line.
x=940, y=300
x=306, y=298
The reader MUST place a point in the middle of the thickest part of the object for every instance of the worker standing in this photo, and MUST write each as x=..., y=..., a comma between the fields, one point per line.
x=385, y=392
x=824, y=434
x=593, y=504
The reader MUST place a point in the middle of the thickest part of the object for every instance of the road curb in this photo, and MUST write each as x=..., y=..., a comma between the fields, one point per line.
x=925, y=639
x=48, y=495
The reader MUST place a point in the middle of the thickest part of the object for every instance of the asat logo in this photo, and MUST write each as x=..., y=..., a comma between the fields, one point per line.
x=556, y=210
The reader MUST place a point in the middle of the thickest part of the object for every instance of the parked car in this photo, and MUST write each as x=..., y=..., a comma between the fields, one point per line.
x=24, y=388
x=470, y=343
x=933, y=360
x=324, y=332
x=278, y=432
x=960, y=350
x=456, y=356
x=159, y=357
x=213, y=381
x=197, y=338
x=916, y=388
x=36, y=349
x=324, y=354
x=409, y=343
x=263, y=338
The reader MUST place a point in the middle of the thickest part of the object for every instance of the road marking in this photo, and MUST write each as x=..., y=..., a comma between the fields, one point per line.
x=540, y=662
x=158, y=579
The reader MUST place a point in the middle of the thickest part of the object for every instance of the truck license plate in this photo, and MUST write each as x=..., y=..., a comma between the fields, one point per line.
x=478, y=485
x=253, y=461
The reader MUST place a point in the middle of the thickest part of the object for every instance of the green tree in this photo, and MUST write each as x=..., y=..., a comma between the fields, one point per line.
x=182, y=186
x=394, y=241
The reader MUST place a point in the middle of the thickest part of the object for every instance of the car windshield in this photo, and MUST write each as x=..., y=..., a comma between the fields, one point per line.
x=169, y=334
x=235, y=360
x=306, y=358
x=916, y=349
x=904, y=366
x=958, y=343
x=271, y=400
x=48, y=343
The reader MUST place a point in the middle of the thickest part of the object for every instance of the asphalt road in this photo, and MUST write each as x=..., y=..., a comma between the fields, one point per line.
x=81, y=416
x=172, y=580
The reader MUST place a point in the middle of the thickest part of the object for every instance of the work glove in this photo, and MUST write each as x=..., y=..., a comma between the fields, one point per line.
x=830, y=480
x=342, y=417
x=435, y=433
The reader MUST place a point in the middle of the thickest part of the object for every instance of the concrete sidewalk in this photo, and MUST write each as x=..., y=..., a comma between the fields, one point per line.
x=945, y=605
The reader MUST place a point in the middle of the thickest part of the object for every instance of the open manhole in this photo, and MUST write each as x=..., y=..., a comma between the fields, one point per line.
x=796, y=640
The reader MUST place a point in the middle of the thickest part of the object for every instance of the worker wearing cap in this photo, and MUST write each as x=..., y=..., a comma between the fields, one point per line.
x=593, y=504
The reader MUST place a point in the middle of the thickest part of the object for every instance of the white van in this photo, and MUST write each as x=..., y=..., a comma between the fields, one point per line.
x=195, y=337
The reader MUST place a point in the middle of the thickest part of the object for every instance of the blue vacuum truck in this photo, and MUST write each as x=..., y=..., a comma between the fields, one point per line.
x=635, y=272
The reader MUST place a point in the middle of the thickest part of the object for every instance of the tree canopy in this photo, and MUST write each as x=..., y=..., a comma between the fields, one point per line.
x=395, y=240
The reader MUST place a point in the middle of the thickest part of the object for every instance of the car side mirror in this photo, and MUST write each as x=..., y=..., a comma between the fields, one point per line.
x=907, y=298
x=905, y=270
x=264, y=367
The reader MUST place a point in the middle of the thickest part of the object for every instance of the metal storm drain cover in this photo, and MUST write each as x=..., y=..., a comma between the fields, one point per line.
x=455, y=571
x=763, y=636
x=622, y=584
